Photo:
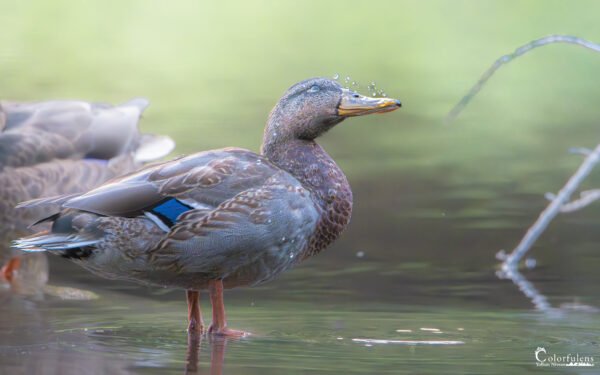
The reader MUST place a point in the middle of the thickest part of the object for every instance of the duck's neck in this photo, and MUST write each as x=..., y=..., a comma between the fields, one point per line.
x=316, y=170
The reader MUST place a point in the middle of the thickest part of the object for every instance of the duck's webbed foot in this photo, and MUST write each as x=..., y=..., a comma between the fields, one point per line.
x=195, y=328
x=218, y=326
x=226, y=332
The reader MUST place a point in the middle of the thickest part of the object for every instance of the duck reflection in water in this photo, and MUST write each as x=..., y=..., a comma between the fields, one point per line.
x=218, y=347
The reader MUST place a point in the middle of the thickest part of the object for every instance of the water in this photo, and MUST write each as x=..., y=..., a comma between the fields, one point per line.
x=434, y=204
x=431, y=274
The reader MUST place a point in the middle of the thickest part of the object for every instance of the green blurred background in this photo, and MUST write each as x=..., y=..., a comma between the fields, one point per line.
x=433, y=202
x=213, y=70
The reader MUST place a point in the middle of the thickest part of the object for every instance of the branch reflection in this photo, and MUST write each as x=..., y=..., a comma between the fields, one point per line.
x=539, y=300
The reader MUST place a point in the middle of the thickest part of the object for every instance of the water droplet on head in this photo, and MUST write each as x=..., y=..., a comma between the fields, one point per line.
x=292, y=256
x=282, y=239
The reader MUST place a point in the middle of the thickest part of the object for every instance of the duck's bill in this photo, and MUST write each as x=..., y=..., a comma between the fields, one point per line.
x=353, y=104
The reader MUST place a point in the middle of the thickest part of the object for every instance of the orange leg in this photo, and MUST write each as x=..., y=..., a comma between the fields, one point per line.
x=219, y=323
x=8, y=270
x=195, y=323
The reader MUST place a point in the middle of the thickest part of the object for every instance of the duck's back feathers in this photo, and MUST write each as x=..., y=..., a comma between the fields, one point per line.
x=34, y=133
x=200, y=180
x=65, y=147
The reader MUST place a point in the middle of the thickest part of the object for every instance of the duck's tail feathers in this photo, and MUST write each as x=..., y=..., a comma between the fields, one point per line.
x=153, y=147
x=46, y=241
x=50, y=206
x=140, y=103
x=2, y=118
x=56, y=200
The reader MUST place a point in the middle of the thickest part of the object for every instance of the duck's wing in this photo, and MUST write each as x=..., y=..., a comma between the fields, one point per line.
x=247, y=239
x=33, y=133
x=199, y=181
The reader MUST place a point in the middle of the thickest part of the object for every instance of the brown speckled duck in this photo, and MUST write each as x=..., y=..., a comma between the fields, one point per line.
x=63, y=147
x=222, y=218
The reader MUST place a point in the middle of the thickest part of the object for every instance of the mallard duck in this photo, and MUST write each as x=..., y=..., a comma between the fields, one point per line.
x=64, y=147
x=222, y=218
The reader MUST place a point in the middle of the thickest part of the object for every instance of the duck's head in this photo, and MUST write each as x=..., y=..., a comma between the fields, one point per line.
x=311, y=107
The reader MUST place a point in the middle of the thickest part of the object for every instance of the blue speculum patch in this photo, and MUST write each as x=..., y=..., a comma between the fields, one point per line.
x=169, y=210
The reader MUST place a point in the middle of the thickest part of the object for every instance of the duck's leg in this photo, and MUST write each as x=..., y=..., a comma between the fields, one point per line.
x=219, y=322
x=8, y=270
x=195, y=322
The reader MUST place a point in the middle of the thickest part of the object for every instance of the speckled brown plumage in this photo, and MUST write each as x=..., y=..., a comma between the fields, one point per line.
x=317, y=171
x=221, y=218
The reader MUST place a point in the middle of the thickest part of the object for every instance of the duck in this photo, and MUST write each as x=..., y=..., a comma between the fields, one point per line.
x=218, y=219
x=58, y=147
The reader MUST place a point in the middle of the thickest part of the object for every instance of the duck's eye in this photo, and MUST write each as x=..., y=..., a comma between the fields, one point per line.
x=314, y=88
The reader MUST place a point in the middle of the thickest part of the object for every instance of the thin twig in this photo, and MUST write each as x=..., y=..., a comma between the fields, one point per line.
x=551, y=210
x=451, y=116
x=586, y=198
x=580, y=151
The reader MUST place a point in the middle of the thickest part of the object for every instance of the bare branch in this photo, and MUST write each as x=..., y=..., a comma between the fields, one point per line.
x=451, y=116
x=585, y=199
x=553, y=208
x=580, y=151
